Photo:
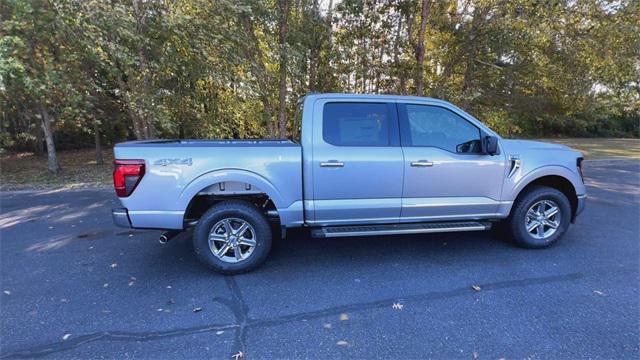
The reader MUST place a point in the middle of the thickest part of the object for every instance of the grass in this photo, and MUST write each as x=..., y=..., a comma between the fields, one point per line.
x=26, y=171
x=598, y=148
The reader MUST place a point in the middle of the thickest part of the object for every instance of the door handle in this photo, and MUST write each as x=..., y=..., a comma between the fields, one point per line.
x=421, y=163
x=332, y=163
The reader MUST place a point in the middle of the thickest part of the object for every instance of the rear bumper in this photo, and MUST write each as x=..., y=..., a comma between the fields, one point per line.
x=121, y=217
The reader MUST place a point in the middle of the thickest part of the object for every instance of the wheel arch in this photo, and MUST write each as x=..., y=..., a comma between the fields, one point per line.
x=229, y=184
x=558, y=182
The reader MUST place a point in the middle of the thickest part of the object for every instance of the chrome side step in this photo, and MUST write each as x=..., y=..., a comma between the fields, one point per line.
x=397, y=229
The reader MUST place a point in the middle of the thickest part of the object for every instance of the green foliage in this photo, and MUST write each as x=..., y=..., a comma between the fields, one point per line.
x=210, y=69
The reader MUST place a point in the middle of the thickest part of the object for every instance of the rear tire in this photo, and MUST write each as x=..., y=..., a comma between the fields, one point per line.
x=232, y=237
x=540, y=217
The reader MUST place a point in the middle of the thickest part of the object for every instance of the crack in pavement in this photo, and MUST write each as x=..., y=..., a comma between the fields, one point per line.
x=112, y=335
x=431, y=296
x=240, y=310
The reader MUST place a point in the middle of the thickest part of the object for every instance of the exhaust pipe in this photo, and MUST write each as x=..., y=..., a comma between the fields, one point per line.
x=168, y=235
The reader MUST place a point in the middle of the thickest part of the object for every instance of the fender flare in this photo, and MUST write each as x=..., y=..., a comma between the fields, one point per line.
x=548, y=170
x=211, y=178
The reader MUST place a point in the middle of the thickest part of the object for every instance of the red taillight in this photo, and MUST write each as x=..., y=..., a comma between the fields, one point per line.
x=126, y=176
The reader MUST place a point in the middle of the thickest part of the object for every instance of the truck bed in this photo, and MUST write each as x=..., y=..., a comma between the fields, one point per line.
x=177, y=170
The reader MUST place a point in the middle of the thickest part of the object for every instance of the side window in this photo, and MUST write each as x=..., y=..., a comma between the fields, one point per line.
x=438, y=127
x=357, y=124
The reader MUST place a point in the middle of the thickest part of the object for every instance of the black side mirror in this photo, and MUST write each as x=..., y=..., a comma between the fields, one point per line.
x=490, y=145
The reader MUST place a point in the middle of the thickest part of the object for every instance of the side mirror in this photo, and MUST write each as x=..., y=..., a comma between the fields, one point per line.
x=490, y=145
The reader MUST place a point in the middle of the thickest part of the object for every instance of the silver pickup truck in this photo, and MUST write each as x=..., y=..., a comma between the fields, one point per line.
x=363, y=165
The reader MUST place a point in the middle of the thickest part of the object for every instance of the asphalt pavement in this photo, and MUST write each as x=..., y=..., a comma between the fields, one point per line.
x=75, y=286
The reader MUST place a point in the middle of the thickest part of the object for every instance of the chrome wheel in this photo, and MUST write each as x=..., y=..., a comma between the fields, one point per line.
x=232, y=240
x=543, y=219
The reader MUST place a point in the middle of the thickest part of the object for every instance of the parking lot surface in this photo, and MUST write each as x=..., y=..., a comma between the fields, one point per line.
x=75, y=286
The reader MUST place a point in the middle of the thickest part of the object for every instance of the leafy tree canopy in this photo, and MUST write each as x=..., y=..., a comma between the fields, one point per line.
x=76, y=71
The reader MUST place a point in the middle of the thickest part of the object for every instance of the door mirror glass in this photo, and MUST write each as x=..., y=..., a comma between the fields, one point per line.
x=490, y=145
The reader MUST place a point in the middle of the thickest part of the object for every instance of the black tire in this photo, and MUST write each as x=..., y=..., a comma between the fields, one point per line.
x=518, y=219
x=237, y=210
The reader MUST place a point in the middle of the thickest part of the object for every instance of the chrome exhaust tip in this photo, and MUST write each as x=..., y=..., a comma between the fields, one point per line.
x=168, y=235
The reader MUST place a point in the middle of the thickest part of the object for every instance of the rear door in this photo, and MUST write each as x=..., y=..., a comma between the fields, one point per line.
x=447, y=177
x=357, y=162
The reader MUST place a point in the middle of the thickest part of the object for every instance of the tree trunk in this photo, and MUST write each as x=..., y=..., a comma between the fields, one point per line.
x=98, y=141
x=138, y=127
x=181, y=130
x=403, y=84
x=38, y=147
x=403, y=72
x=148, y=130
x=438, y=92
x=471, y=48
x=314, y=53
x=52, y=158
x=254, y=55
x=396, y=55
x=147, y=121
x=378, y=71
x=419, y=48
x=313, y=69
x=282, y=87
x=324, y=78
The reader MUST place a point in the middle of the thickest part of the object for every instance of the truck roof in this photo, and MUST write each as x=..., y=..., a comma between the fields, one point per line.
x=387, y=97
x=399, y=98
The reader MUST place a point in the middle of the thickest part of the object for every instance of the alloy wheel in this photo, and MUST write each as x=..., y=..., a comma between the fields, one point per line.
x=232, y=240
x=543, y=219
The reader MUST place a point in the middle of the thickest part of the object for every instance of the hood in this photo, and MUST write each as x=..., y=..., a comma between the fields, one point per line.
x=533, y=145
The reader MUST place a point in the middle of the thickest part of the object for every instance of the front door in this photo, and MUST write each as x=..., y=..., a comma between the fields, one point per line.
x=357, y=163
x=447, y=177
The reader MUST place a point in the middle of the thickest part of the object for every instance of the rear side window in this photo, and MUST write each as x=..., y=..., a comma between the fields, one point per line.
x=438, y=127
x=358, y=124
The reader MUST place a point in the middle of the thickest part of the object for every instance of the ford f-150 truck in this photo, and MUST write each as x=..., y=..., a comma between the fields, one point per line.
x=363, y=165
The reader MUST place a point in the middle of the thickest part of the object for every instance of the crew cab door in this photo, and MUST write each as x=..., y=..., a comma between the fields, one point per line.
x=357, y=163
x=447, y=177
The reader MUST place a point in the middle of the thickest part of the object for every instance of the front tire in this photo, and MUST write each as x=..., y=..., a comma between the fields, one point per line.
x=540, y=217
x=232, y=237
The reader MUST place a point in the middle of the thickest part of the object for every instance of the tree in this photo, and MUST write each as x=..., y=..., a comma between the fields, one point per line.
x=283, y=8
x=121, y=37
x=38, y=61
x=97, y=72
x=419, y=47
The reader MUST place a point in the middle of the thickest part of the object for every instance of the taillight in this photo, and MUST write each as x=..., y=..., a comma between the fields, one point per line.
x=126, y=176
x=579, y=166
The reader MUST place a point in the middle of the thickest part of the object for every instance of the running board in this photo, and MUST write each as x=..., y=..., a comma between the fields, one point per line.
x=397, y=229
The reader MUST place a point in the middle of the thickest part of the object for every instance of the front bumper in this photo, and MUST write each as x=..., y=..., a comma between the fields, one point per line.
x=121, y=217
x=582, y=199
